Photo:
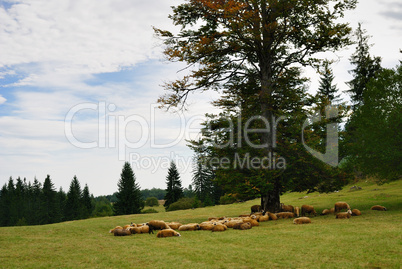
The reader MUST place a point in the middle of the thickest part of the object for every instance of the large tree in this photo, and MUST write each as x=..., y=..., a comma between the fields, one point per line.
x=129, y=199
x=49, y=210
x=249, y=47
x=174, y=189
x=365, y=66
x=377, y=149
x=74, y=208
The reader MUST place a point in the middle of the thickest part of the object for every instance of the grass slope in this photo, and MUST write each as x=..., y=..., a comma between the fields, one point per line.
x=372, y=240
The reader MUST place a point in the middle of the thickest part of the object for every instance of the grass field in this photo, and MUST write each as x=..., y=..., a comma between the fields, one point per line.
x=373, y=240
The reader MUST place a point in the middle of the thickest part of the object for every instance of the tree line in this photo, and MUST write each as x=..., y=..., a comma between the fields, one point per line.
x=26, y=203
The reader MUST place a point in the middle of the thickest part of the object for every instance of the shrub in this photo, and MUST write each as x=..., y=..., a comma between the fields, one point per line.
x=151, y=201
x=149, y=210
x=226, y=199
x=181, y=204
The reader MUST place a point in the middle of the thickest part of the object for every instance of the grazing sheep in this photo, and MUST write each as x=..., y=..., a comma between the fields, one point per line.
x=167, y=233
x=121, y=232
x=174, y=225
x=379, y=208
x=287, y=208
x=243, y=216
x=308, y=209
x=217, y=227
x=144, y=229
x=344, y=215
x=297, y=211
x=157, y=225
x=356, y=212
x=341, y=205
x=190, y=227
x=285, y=215
x=242, y=226
x=272, y=216
x=302, y=220
x=255, y=208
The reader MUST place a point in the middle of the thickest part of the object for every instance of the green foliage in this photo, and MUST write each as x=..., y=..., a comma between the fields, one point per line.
x=378, y=123
x=227, y=199
x=148, y=211
x=366, y=67
x=103, y=208
x=181, y=204
x=174, y=190
x=151, y=201
x=249, y=52
x=129, y=200
x=154, y=192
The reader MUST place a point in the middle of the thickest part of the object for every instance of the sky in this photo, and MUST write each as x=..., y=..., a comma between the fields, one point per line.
x=79, y=81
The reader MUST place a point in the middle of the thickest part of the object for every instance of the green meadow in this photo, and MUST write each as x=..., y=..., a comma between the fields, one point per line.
x=372, y=240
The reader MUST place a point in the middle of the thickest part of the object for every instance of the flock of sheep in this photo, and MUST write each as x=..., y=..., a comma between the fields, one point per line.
x=243, y=222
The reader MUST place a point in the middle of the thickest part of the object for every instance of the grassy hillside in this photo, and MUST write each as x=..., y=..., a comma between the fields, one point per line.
x=373, y=240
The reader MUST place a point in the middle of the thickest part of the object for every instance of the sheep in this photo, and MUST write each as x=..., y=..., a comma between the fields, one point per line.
x=135, y=230
x=344, y=215
x=341, y=205
x=242, y=226
x=243, y=216
x=308, y=209
x=356, y=212
x=263, y=218
x=302, y=220
x=207, y=226
x=116, y=228
x=379, y=208
x=174, y=225
x=287, y=208
x=325, y=212
x=232, y=223
x=285, y=215
x=272, y=216
x=255, y=208
x=297, y=211
x=157, y=225
x=190, y=227
x=253, y=220
x=167, y=233
x=144, y=229
x=219, y=227
x=121, y=232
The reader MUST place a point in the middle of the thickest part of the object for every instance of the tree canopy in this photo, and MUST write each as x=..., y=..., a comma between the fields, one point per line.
x=252, y=52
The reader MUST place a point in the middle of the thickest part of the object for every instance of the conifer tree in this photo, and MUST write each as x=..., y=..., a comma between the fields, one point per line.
x=366, y=67
x=174, y=189
x=129, y=200
x=50, y=211
x=73, y=209
x=327, y=92
x=87, y=202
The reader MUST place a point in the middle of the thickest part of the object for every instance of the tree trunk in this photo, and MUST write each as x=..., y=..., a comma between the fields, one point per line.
x=270, y=201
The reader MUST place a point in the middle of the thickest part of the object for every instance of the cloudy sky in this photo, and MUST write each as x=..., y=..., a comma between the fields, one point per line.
x=79, y=81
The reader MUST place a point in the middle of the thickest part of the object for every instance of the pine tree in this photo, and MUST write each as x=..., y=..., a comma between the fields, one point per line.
x=129, y=200
x=327, y=92
x=174, y=190
x=61, y=199
x=73, y=209
x=87, y=202
x=202, y=181
x=366, y=67
x=50, y=212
